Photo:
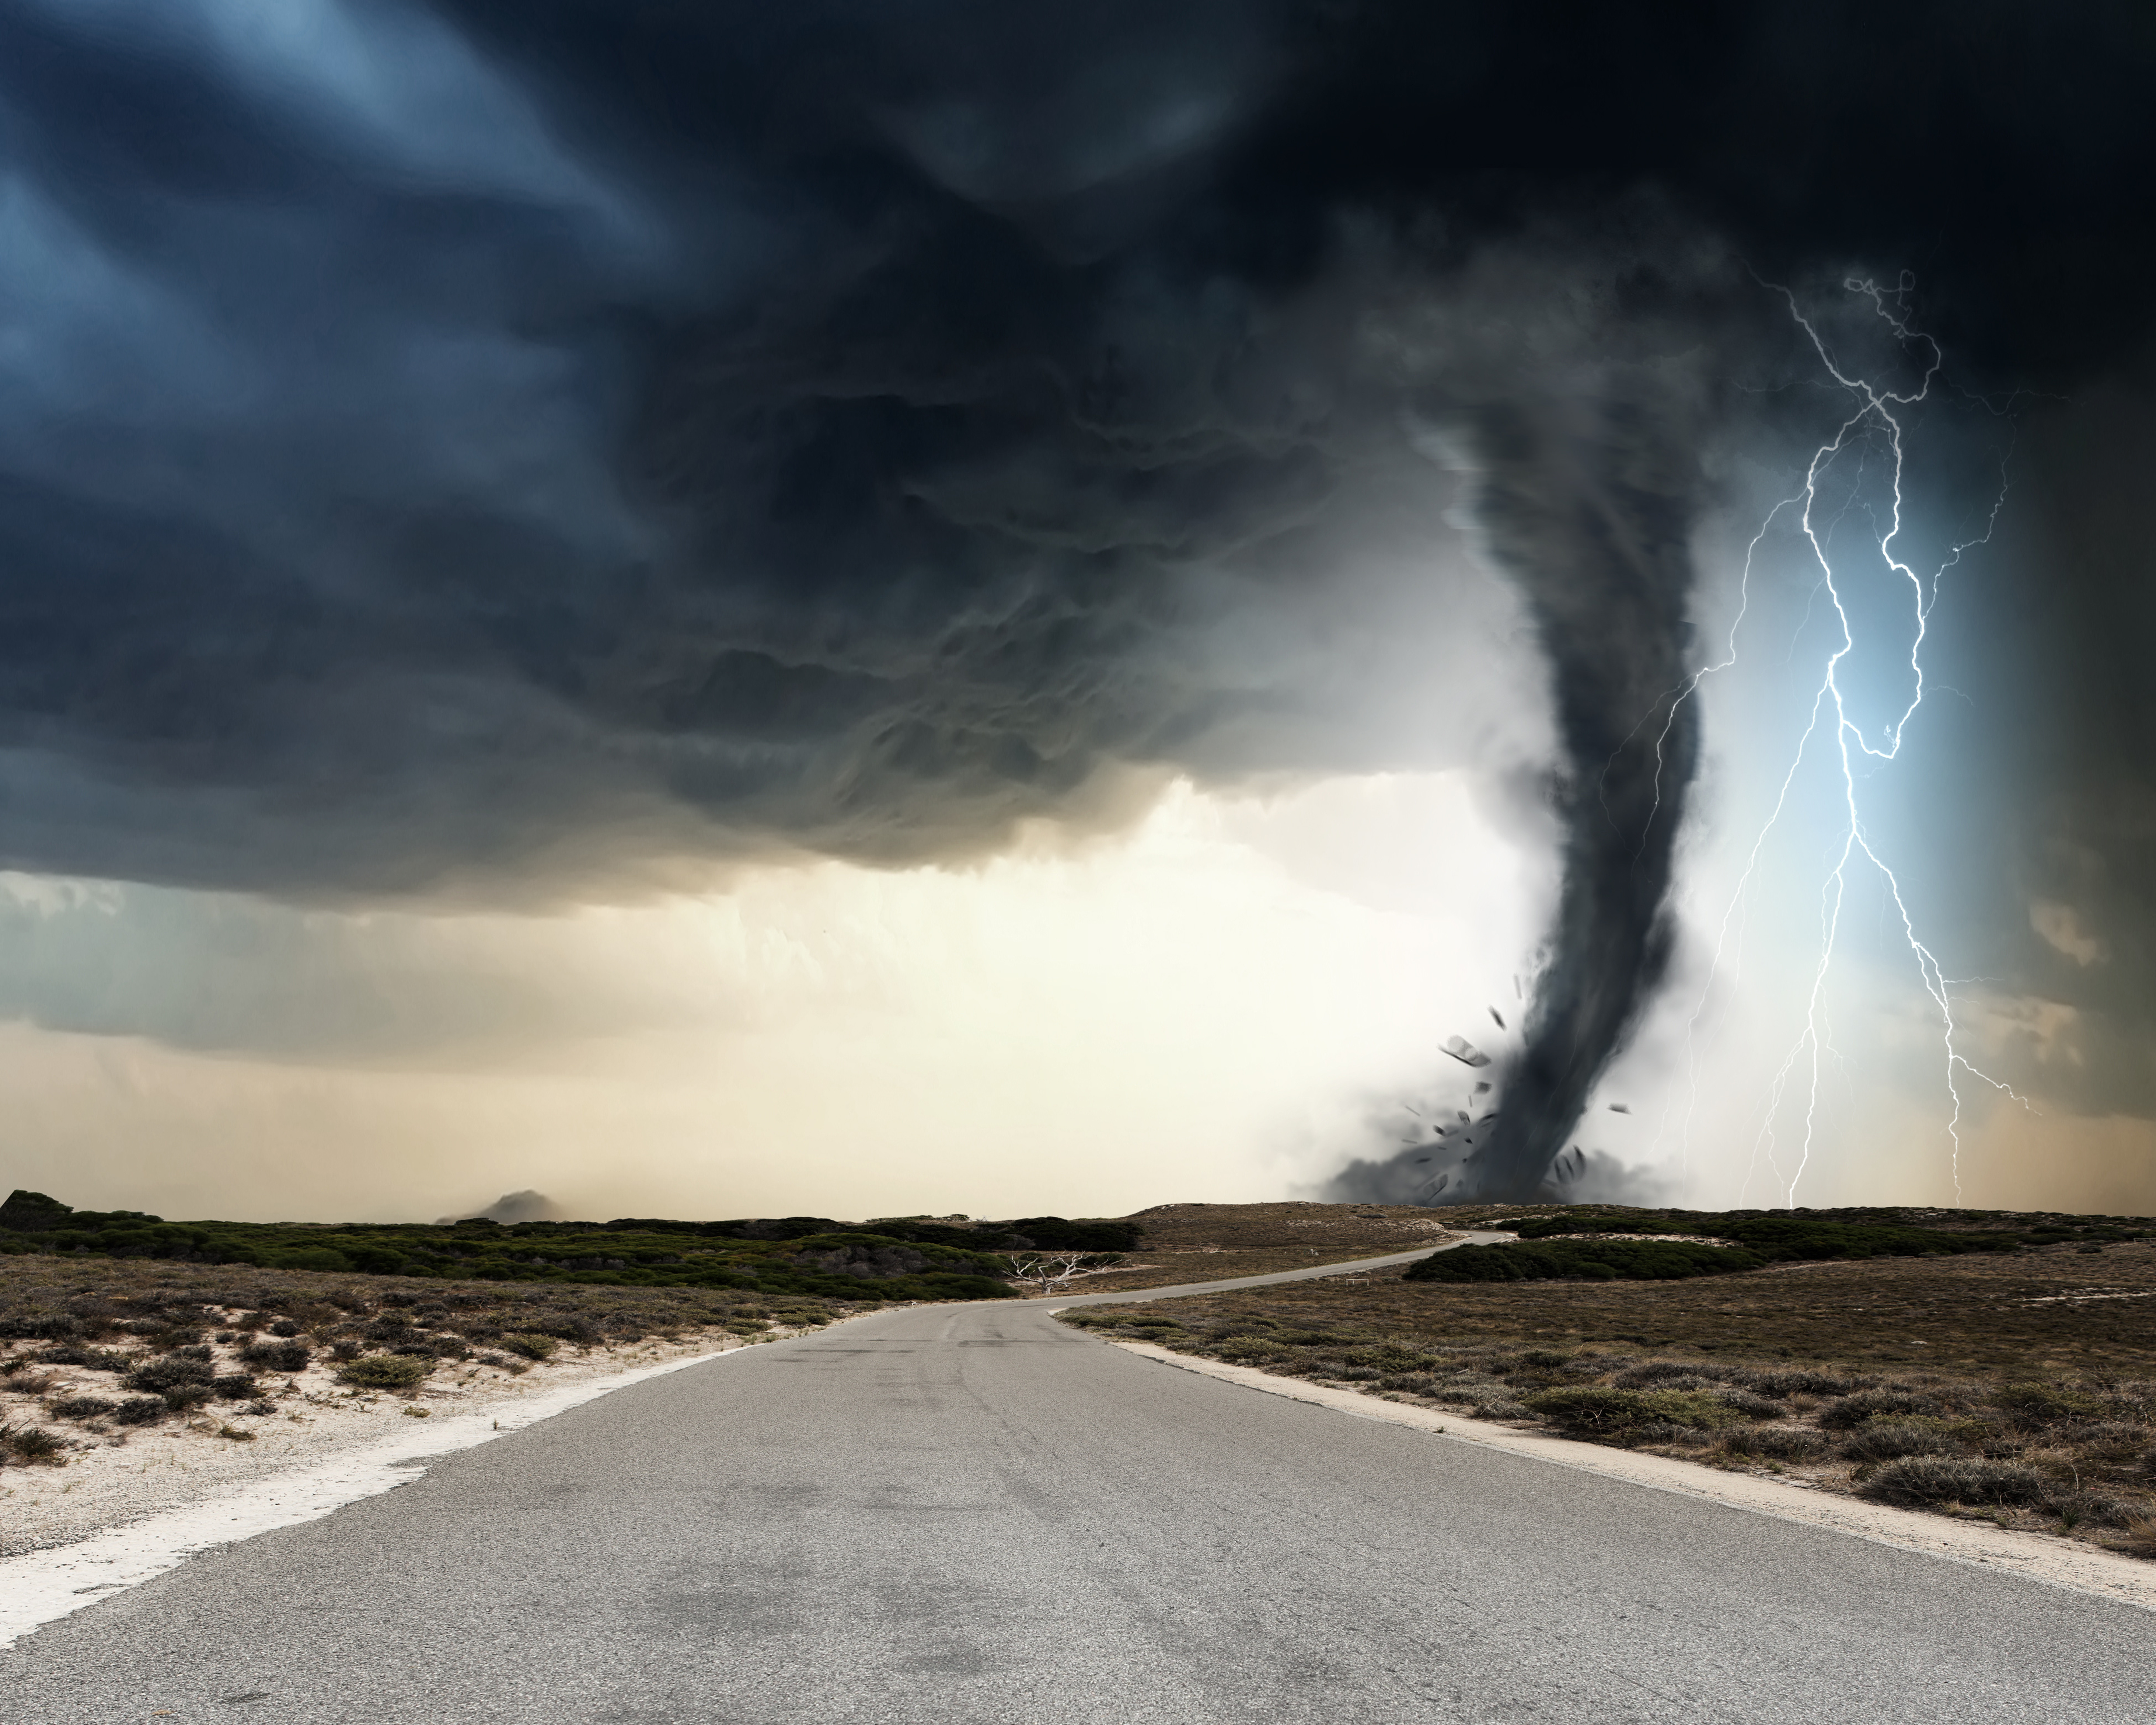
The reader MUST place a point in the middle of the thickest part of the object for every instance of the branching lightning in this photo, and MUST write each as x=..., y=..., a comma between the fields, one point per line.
x=1874, y=419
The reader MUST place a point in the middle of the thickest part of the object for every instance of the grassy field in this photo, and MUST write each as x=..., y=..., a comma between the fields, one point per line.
x=2020, y=1386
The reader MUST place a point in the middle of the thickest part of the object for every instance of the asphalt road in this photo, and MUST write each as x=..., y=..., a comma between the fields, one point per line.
x=975, y=1516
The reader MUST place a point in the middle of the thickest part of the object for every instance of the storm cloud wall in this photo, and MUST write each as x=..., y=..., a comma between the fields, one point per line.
x=530, y=453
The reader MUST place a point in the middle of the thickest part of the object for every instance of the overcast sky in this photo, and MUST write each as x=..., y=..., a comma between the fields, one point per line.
x=925, y=605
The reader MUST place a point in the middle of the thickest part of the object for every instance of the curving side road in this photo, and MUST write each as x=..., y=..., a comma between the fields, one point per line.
x=974, y=1516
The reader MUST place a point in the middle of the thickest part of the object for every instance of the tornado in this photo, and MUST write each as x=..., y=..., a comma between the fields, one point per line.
x=1586, y=499
x=1588, y=504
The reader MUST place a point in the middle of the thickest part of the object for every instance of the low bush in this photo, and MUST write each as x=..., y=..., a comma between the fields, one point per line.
x=2074, y=1507
x=140, y=1410
x=1470, y=1392
x=64, y=1355
x=80, y=1407
x=1666, y=1371
x=1751, y=1406
x=530, y=1345
x=1889, y=1439
x=1583, y=1261
x=1778, y=1443
x=1388, y=1357
x=29, y=1444
x=1919, y=1480
x=165, y=1375
x=277, y=1356
x=236, y=1387
x=2045, y=1405
x=1596, y=1412
x=1779, y=1383
x=1853, y=1410
x=385, y=1371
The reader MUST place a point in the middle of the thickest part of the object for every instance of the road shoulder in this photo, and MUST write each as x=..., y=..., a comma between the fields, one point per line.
x=2035, y=1557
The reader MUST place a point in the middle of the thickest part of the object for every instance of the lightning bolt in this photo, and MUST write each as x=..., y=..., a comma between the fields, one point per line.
x=1874, y=418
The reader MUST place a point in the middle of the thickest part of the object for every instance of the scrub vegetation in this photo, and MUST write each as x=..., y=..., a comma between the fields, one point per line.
x=92, y=1348
x=2016, y=1382
x=909, y=1258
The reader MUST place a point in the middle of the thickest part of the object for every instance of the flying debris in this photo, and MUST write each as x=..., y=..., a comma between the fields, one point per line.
x=1465, y=1052
x=1570, y=1165
x=1499, y=1016
x=1620, y=1107
x=1482, y=1086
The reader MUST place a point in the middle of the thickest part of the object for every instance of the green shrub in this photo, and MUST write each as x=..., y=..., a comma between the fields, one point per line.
x=1390, y=1356
x=2073, y=1506
x=309, y=1258
x=1671, y=1374
x=1583, y=1261
x=1853, y=1410
x=1919, y=1480
x=532, y=1346
x=2045, y=1405
x=1751, y=1406
x=1594, y=1411
x=1889, y=1439
x=1798, y=1381
x=1779, y=1443
x=140, y=1410
x=385, y=1371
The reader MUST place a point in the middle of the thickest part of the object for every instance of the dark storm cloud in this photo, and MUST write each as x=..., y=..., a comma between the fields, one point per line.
x=498, y=444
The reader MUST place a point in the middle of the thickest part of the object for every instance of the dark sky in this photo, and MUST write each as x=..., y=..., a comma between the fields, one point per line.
x=481, y=445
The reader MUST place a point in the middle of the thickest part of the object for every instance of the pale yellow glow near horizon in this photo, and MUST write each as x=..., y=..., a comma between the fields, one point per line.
x=1207, y=1006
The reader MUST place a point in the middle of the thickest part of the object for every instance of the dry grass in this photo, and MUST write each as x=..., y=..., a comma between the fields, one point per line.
x=1937, y=1381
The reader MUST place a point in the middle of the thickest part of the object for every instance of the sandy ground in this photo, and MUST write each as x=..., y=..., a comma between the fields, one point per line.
x=2038, y=1557
x=119, y=1476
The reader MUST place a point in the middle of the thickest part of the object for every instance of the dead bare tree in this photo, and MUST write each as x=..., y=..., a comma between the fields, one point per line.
x=1050, y=1271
